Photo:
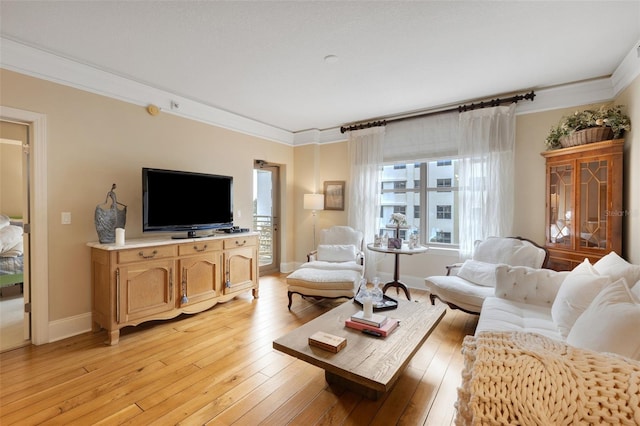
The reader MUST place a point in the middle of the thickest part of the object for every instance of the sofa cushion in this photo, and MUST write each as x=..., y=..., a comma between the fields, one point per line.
x=481, y=273
x=610, y=323
x=616, y=267
x=528, y=285
x=336, y=252
x=506, y=315
x=463, y=293
x=326, y=283
x=510, y=251
x=336, y=266
x=577, y=291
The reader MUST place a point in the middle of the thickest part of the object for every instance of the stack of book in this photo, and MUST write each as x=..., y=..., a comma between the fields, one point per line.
x=376, y=325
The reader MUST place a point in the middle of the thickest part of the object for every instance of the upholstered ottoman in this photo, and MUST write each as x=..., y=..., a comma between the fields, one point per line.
x=323, y=283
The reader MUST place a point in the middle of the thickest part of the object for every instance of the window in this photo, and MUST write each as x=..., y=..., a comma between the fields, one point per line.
x=444, y=183
x=417, y=191
x=443, y=212
x=443, y=237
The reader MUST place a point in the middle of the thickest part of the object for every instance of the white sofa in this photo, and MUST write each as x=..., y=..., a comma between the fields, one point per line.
x=467, y=284
x=522, y=301
x=570, y=306
x=556, y=348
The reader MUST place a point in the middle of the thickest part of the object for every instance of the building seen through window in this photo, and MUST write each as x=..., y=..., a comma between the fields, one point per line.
x=427, y=194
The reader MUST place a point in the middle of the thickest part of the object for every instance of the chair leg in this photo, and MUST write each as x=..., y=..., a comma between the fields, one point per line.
x=289, y=294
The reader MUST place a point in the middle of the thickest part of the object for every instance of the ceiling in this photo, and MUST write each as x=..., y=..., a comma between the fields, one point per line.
x=265, y=60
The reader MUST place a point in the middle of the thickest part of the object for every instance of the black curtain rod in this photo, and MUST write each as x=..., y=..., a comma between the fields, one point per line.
x=461, y=108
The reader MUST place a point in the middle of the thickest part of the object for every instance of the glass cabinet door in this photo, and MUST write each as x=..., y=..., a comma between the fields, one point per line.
x=593, y=204
x=584, y=206
x=561, y=205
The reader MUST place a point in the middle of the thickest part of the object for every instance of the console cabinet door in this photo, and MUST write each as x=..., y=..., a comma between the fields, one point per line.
x=144, y=289
x=240, y=269
x=200, y=278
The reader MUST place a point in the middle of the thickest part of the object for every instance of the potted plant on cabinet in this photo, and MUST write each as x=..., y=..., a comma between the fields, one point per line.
x=588, y=126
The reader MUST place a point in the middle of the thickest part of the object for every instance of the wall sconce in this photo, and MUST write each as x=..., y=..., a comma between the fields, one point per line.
x=314, y=202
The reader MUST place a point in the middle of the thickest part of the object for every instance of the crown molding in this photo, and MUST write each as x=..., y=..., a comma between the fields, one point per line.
x=568, y=95
x=627, y=71
x=44, y=65
x=40, y=64
x=316, y=136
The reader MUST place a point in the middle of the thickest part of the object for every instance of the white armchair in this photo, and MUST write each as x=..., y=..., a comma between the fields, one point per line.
x=334, y=269
x=467, y=284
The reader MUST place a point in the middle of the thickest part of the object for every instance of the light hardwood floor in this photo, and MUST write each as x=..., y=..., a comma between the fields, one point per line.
x=218, y=367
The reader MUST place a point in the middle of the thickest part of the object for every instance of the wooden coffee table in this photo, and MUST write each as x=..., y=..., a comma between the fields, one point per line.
x=368, y=365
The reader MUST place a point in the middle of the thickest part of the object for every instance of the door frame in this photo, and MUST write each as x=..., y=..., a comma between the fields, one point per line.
x=39, y=254
x=275, y=170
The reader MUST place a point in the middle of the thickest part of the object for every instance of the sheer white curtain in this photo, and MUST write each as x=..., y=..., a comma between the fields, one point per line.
x=365, y=155
x=487, y=149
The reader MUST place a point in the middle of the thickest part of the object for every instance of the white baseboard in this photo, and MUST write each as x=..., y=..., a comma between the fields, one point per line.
x=286, y=267
x=71, y=326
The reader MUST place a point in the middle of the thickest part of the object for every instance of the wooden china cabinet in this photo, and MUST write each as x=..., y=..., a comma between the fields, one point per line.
x=583, y=203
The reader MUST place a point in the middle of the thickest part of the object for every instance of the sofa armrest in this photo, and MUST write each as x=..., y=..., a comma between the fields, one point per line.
x=453, y=269
x=528, y=285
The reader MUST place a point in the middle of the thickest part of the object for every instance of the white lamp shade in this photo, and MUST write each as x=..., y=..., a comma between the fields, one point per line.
x=314, y=201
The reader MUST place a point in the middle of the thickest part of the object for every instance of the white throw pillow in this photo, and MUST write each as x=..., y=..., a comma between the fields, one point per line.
x=4, y=220
x=481, y=273
x=336, y=252
x=616, y=267
x=575, y=294
x=611, y=323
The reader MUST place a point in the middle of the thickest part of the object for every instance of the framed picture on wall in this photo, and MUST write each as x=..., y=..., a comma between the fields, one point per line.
x=334, y=195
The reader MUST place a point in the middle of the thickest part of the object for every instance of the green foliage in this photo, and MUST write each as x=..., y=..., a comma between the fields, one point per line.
x=607, y=116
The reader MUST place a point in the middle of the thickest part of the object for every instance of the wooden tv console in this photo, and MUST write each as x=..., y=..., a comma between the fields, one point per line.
x=152, y=279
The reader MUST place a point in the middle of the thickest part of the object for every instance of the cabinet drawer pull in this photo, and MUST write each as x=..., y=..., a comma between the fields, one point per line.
x=170, y=283
x=118, y=295
x=151, y=256
x=238, y=243
x=202, y=249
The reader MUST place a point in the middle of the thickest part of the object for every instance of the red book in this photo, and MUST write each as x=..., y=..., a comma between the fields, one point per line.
x=384, y=331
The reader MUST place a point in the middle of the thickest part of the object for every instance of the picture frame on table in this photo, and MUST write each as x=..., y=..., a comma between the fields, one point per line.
x=334, y=194
x=394, y=243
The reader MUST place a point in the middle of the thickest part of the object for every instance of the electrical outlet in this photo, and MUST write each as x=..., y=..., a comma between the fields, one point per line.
x=65, y=218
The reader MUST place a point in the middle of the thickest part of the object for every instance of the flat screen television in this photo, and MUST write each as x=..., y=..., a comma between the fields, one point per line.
x=185, y=201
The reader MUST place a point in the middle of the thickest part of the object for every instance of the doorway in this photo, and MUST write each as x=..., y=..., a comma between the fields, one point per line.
x=37, y=228
x=266, y=215
x=15, y=317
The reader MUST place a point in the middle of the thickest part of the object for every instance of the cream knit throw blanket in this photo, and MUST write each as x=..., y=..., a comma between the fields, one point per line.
x=526, y=379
